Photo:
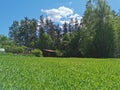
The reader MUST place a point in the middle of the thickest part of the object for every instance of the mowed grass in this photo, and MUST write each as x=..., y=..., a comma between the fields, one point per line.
x=32, y=73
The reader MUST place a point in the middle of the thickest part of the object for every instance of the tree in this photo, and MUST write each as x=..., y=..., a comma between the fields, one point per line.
x=96, y=36
x=77, y=26
x=41, y=26
x=58, y=38
x=65, y=44
x=87, y=31
x=103, y=40
x=65, y=28
x=14, y=32
x=4, y=40
x=50, y=30
x=24, y=32
x=116, y=26
x=28, y=29
x=70, y=25
x=45, y=42
x=75, y=45
x=98, y=39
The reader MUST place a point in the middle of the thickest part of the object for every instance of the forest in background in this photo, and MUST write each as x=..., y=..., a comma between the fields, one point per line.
x=97, y=34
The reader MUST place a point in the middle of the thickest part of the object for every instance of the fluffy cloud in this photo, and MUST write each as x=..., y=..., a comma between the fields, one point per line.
x=76, y=16
x=61, y=11
x=61, y=14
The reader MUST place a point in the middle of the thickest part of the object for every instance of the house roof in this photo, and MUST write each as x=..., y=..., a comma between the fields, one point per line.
x=48, y=50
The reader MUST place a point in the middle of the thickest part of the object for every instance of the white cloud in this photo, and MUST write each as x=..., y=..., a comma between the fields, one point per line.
x=61, y=11
x=61, y=14
x=76, y=16
x=63, y=21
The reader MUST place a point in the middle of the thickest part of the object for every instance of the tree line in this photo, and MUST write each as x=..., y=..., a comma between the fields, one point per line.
x=97, y=34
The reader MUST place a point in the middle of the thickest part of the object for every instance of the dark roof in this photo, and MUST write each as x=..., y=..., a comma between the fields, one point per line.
x=47, y=50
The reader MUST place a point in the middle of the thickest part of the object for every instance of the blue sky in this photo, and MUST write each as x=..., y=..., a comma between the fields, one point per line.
x=17, y=9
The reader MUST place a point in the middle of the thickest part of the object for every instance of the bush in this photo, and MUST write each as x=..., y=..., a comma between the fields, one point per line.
x=59, y=53
x=18, y=50
x=37, y=52
x=15, y=49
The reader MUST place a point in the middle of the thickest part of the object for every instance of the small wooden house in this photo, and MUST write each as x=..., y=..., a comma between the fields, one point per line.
x=49, y=53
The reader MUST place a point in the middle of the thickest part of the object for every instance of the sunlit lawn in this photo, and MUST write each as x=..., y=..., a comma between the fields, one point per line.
x=32, y=73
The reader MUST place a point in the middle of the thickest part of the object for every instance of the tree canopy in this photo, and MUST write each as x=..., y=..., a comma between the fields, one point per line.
x=97, y=34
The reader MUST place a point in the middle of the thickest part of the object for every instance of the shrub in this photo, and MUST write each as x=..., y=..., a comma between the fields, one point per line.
x=18, y=50
x=59, y=53
x=15, y=49
x=37, y=52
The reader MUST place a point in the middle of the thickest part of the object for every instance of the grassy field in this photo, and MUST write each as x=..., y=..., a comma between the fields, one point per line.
x=32, y=73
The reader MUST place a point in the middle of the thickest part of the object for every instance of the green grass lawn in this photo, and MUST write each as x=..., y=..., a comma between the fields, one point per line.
x=32, y=73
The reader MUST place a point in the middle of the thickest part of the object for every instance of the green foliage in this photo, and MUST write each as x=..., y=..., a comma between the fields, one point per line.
x=87, y=31
x=32, y=73
x=99, y=37
x=15, y=49
x=37, y=52
x=116, y=26
x=71, y=45
x=4, y=40
x=24, y=32
x=45, y=41
x=59, y=53
x=96, y=36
